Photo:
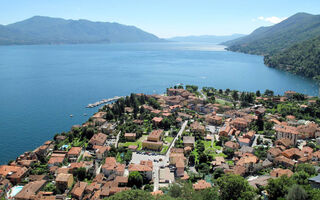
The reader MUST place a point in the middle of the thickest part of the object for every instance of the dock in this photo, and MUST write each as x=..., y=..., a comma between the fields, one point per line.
x=103, y=101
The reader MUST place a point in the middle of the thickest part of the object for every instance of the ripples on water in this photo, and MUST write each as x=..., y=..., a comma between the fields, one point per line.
x=42, y=85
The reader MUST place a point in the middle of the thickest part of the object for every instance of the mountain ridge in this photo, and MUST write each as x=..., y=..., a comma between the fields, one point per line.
x=268, y=40
x=48, y=30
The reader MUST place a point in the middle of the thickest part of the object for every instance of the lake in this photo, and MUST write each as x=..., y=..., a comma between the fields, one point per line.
x=41, y=85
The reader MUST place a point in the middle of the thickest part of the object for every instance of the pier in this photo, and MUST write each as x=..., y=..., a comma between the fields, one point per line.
x=103, y=101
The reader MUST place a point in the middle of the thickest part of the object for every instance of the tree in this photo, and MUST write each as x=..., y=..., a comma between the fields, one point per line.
x=308, y=168
x=233, y=187
x=209, y=194
x=80, y=173
x=229, y=152
x=135, y=179
x=269, y=92
x=279, y=187
x=235, y=95
x=191, y=159
x=258, y=94
x=296, y=192
x=132, y=195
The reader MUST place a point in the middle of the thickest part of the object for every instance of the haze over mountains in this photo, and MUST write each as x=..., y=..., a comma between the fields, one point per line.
x=206, y=38
x=47, y=30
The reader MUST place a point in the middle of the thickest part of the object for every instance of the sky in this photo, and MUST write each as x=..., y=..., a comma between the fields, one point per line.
x=165, y=18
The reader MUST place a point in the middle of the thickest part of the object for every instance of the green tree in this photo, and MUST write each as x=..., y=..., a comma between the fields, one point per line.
x=233, y=187
x=279, y=187
x=209, y=194
x=80, y=173
x=296, y=192
x=132, y=195
x=235, y=95
x=258, y=93
x=135, y=179
x=308, y=168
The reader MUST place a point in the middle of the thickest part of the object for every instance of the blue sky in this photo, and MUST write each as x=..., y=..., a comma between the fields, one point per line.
x=165, y=18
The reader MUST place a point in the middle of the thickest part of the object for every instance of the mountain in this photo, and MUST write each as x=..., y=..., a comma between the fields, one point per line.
x=272, y=39
x=47, y=30
x=302, y=59
x=206, y=38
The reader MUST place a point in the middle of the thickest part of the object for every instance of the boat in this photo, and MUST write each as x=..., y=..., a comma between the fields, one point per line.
x=71, y=115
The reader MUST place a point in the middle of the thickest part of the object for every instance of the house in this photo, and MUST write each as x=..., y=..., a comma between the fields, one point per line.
x=56, y=159
x=244, y=141
x=292, y=153
x=29, y=190
x=284, y=142
x=310, y=130
x=78, y=190
x=227, y=131
x=284, y=161
x=13, y=173
x=273, y=153
x=257, y=182
x=289, y=94
x=107, y=127
x=165, y=176
x=64, y=181
x=188, y=141
x=74, y=153
x=289, y=132
x=101, y=151
x=197, y=127
x=98, y=139
x=178, y=159
x=153, y=141
x=111, y=166
x=278, y=172
x=315, y=181
x=157, y=120
x=240, y=123
x=231, y=145
x=99, y=115
x=145, y=168
x=218, y=161
x=201, y=185
x=248, y=161
x=130, y=136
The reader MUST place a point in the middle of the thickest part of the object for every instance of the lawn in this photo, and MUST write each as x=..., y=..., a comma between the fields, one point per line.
x=137, y=143
x=211, y=150
x=223, y=102
x=164, y=149
x=168, y=139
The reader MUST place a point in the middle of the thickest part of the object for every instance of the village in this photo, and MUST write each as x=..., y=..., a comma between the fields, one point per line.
x=151, y=142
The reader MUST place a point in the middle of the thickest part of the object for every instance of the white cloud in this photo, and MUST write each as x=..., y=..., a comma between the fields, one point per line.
x=273, y=19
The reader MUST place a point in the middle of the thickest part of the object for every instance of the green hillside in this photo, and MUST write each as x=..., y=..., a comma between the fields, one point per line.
x=302, y=59
x=272, y=39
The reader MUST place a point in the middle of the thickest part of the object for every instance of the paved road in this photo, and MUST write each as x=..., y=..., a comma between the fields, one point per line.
x=174, y=140
x=117, y=140
x=136, y=158
x=204, y=96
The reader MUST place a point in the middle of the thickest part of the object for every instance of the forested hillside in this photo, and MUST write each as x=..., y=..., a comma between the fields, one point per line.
x=302, y=59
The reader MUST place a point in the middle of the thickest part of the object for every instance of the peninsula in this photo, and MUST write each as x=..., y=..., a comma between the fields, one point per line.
x=187, y=143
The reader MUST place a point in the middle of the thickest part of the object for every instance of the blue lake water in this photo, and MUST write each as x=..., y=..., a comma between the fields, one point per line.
x=40, y=86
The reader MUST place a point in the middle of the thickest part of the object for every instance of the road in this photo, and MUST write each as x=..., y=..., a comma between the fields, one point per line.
x=174, y=140
x=117, y=140
x=204, y=96
x=136, y=158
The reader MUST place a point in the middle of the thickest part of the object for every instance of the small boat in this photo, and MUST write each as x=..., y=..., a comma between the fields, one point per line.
x=85, y=114
x=71, y=115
